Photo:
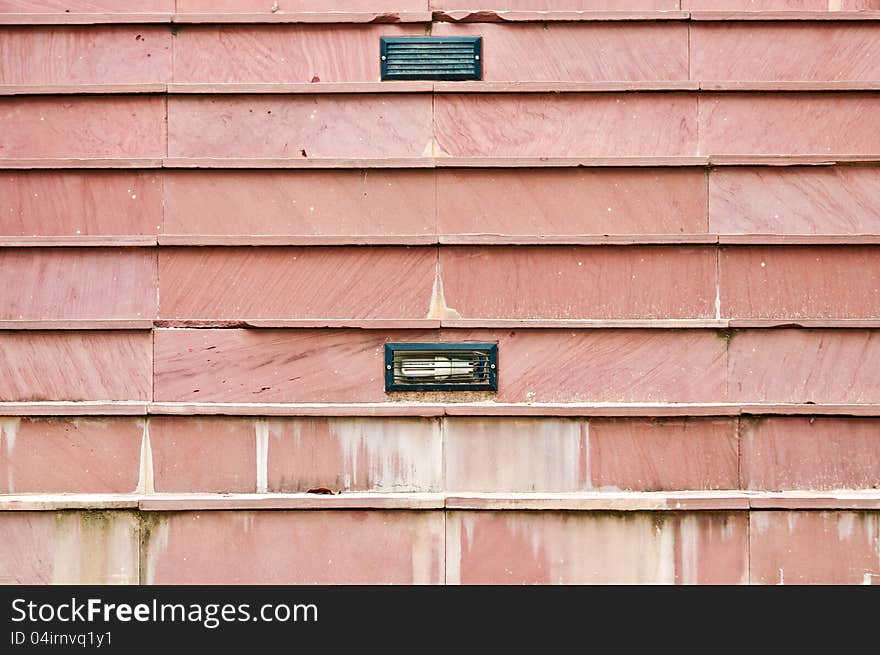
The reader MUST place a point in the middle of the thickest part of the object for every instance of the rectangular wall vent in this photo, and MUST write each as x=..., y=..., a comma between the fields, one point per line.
x=431, y=57
x=441, y=366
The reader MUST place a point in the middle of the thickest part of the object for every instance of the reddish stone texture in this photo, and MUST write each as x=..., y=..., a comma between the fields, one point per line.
x=788, y=124
x=290, y=6
x=800, y=282
x=595, y=548
x=205, y=454
x=500, y=454
x=85, y=6
x=353, y=454
x=93, y=365
x=777, y=5
x=814, y=547
x=78, y=284
x=347, y=365
x=82, y=127
x=310, y=203
x=85, y=55
x=90, y=547
x=723, y=52
x=797, y=200
x=663, y=455
x=80, y=203
x=305, y=547
x=595, y=201
x=299, y=127
x=810, y=453
x=804, y=366
x=282, y=53
x=578, y=52
x=379, y=282
x=578, y=125
x=70, y=455
x=555, y=5
x=576, y=282
x=711, y=548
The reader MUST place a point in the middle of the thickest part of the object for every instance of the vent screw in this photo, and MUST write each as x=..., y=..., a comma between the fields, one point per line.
x=476, y=56
x=492, y=366
x=384, y=57
x=388, y=366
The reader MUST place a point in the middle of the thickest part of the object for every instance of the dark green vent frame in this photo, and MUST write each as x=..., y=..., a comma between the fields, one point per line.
x=441, y=366
x=431, y=57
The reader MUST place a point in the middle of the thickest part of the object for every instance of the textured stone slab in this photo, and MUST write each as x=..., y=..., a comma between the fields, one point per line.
x=596, y=548
x=571, y=202
x=282, y=53
x=64, y=455
x=568, y=455
x=291, y=283
x=82, y=127
x=92, y=365
x=80, y=203
x=78, y=284
x=575, y=282
x=789, y=124
x=299, y=127
x=582, y=125
x=810, y=200
x=85, y=55
x=788, y=52
x=353, y=454
x=663, y=455
x=577, y=52
x=337, y=203
x=77, y=547
x=203, y=454
x=814, y=547
x=347, y=366
x=335, y=547
x=800, y=282
x=804, y=366
x=810, y=453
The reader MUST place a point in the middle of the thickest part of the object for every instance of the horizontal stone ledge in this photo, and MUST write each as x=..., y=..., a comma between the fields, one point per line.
x=305, y=501
x=441, y=162
x=599, y=501
x=74, y=408
x=298, y=240
x=573, y=16
x=326, y=17
x=453, y=16
x=602, y=501
x=427, y=409
x=303, y=323
x=775, y=15
x=78, y=324
x=52, y=241
x=422, y=86
x=291, y=409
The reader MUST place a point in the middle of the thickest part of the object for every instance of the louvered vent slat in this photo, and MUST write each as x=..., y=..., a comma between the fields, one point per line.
x=431, y=58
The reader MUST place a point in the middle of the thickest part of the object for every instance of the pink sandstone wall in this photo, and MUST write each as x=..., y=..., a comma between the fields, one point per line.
x=213, y=215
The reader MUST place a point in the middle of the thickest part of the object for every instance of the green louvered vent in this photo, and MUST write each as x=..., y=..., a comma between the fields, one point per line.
x=431, y=57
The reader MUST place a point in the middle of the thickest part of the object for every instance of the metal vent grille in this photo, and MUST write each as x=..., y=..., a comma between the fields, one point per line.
x=431, y=57
x=441, y=367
